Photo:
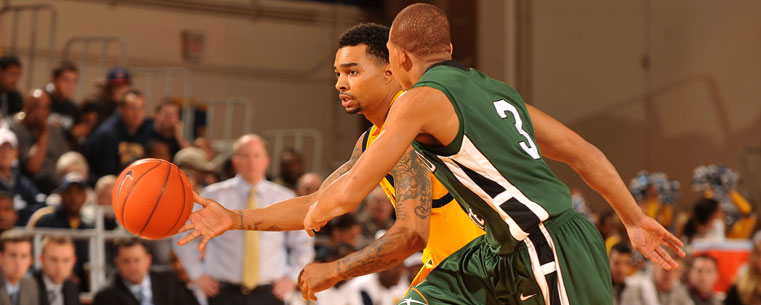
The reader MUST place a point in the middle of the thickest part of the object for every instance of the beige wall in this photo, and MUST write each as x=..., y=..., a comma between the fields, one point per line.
x=283, y=67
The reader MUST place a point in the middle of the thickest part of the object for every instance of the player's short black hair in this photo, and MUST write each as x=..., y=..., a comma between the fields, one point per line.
x=65, y=66
x=373, y=35
x=7, y=61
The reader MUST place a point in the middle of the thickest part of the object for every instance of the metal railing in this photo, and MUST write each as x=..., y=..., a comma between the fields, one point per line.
x=172, y=77
x=297, y=138
x=104, y=42
x=228, y=105
x=15, y=15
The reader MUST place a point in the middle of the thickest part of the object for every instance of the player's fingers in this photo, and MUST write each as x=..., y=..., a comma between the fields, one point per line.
x=188, y=238
x=675, y=244
x=657, y=259
x=199, y=200
x=187, y=227
x=667, y=259
x=204, y=241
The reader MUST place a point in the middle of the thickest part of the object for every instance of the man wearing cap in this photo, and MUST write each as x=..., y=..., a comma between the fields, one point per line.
x=117, y=85
x=40, y=143
x=192, y=161
x=121, y=139
x=25, y=194
x=10, y=72
x=73, y=192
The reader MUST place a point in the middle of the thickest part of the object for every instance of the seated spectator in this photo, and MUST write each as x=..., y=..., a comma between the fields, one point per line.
x=621, y=266
x=40, y=144
x=65, y=113
x=746, y=289
x=308, y=183
x=340, y=293
x=413, y=264
x=72, y=162
x=192, y=161
x=167, y=127
x=291, y=168
x=134, y=284
x=706, y=222
x=702, y=275
x=205, y=145
x=657, y=287
x=8, y=214
x=101, y=106
x=382, y=288
x=344, y=233
x=67, y=215
x=159, y=150
x=377, y=214
x=11, y=100
x=103, y=192
x=25, y=194
x=16, y=258
x=119, y=140
x=53, y=280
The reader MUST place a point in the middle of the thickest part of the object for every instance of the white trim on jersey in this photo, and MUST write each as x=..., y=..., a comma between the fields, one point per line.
x=472, y=158
x=540, y=271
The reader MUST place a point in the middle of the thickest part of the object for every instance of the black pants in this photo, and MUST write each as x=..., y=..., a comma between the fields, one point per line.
x=231, y=294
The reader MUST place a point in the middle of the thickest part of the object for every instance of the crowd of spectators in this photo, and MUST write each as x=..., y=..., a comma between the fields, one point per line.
x=58, y=164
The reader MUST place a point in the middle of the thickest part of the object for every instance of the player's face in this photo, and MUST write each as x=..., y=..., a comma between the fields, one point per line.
x=360, y=79
x=58, y=261
x=133, y=263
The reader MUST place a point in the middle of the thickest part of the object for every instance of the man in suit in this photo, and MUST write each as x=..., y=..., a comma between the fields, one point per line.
x=136, y=285
x=54, y=279
x=15, y=260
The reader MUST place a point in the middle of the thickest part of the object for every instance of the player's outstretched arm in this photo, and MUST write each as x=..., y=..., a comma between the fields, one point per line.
x=560, y=143
x=407, y=117
x=213, y=219
x=408, y=235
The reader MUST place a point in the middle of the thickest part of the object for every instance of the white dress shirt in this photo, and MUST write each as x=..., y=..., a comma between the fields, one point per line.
x=281, y=254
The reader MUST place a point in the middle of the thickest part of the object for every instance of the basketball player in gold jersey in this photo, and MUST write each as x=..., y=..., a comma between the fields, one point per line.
x=366, y=85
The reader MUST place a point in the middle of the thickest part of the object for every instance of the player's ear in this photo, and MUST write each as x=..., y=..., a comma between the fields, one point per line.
x=388, y=75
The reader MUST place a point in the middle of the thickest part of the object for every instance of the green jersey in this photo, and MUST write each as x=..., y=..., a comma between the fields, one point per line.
x=493, y=166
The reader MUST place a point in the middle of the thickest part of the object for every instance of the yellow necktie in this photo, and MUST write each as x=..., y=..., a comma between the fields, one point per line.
x=250, y=276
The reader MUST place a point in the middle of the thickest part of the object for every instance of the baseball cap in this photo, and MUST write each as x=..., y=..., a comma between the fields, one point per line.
x=7, y=136
x=118, y=76
x=70, y=179
x=192, y=157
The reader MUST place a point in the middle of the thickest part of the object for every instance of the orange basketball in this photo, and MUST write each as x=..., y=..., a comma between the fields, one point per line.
x=152, y=198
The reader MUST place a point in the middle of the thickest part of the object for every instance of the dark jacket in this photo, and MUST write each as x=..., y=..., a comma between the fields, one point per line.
x=11, y=102
x=23, y=188
x=111, y=147
x=167, y=290
x=58, y=219
x=69, y=289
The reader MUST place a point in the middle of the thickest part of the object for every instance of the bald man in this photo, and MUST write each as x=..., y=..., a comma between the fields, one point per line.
x=483, y=143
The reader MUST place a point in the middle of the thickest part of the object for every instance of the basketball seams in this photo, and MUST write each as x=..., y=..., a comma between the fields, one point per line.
x=155, y=205
x=132, y=187
x=182, y=183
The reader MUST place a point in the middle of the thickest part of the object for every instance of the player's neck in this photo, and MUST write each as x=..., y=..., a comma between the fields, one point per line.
x=378, y=116
x=421, y=65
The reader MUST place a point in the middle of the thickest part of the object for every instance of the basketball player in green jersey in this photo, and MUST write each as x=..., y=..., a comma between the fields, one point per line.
x=487, y=147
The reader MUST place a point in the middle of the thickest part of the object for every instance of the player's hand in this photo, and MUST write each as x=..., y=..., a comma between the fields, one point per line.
x=317, y=277
x=311, y=224
x=283, y=287
x=210, y=221
x=208, y=285
x=649, y=238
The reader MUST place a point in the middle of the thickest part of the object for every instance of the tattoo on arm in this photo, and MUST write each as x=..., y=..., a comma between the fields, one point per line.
x=375, y=257
x=242, y=225
x=345, y=168
x=413, y=182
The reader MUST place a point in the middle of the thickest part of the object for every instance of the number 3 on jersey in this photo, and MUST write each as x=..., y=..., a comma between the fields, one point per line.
x=502, y=108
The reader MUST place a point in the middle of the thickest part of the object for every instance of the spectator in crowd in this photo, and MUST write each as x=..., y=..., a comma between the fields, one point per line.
x=621, y=266
x=67, y=215
x=345, y=231
x=53, y=280
x=414, y=265
x=40, y=144
x=15, y=260
x=193, y=162
x=167, y=127
x=248, y=267
x=706, y=222
x=134, y=284
x=377, y=214
x=102, y=105
x=340, y=293
x=205, y=145
x=158, y=149
x=8, y=214
x=72, y=161
x=11, y=100
x=657, y=287
x=119, y=140
x=291, y=168
x=103, y=190
x=308, y=183
x=702, y=275
x=746, y=289
x=25, y=194
x=382, y=288
x=65, y=114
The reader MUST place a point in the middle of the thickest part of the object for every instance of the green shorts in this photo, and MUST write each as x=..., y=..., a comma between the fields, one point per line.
x=530, y=275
